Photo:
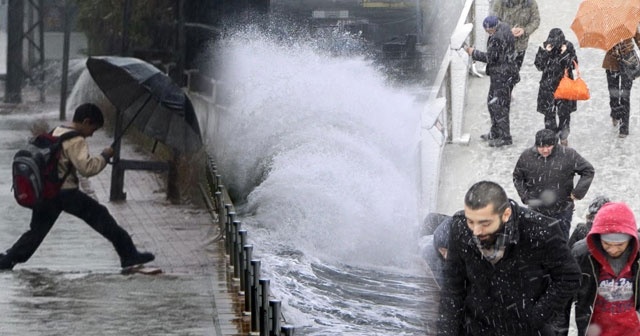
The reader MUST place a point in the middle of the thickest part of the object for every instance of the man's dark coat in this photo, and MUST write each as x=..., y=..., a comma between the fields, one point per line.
x=520, y=293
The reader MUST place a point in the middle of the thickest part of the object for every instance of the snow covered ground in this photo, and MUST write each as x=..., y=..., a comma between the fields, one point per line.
x=592, y=134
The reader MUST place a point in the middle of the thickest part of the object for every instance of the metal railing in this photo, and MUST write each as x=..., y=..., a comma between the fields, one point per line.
x=265, y=312
x=442, y=117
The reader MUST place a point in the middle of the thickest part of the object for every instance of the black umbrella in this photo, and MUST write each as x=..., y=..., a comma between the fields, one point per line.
x=148, y=99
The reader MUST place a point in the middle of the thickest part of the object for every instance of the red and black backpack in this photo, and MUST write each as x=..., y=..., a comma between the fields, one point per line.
x=35, y=169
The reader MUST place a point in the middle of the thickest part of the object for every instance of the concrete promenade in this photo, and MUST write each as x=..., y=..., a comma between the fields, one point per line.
x=73, y=285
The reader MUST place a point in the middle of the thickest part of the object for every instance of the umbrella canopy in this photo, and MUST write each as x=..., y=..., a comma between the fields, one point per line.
x=603, y=24
x=148, y=99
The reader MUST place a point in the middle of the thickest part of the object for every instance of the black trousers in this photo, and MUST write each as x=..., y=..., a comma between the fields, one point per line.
x=499, y=104
x=520, y=58
x=619, y=85
x=560, y=127
x=79, y=204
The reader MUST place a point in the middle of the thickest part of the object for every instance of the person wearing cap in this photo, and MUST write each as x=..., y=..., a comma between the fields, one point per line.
x=543, y=177
x=503, y=73
x=582, y=229
x=607, y=301
x=436, y=243
x=555, y=56
x=524, y=18
x=506, y=271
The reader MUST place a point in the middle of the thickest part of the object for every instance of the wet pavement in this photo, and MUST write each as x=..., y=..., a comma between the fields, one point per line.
x=73, y=286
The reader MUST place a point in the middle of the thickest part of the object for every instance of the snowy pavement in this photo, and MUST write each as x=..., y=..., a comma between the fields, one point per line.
x=616, y=161
x=592, y=134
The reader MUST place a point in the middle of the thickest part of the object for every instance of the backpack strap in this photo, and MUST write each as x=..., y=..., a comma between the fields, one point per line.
x=64, y=137
x=67, y=135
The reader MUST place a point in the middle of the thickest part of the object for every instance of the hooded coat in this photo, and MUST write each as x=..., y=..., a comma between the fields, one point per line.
x=546, y=184
x=617, y=316
x=520, y=13
x=500, y=55
x=553, y=64
x=519, y=294
x=440, y=238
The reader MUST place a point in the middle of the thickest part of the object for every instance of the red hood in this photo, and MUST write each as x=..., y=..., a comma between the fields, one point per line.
x=613, y=217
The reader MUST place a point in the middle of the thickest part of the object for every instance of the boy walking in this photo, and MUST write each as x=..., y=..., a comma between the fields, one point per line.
x=75, y=158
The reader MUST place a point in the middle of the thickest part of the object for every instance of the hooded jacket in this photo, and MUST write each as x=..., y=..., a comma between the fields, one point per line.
x=519, y=294
x=553, y=64
x=546, y=184
x=617, y=315
x=520, y=13
x=500, y=55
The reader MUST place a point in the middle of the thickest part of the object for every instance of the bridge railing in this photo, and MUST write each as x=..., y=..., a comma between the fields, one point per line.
x=443, y=114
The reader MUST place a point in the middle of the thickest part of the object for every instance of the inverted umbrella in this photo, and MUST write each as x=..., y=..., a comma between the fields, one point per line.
x=148, y=99
x=602, y=24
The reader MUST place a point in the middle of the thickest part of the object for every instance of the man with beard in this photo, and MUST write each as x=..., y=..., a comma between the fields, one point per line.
x=508, y=271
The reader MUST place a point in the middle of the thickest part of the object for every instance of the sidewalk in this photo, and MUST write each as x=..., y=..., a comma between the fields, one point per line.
x=73, y=285
x=616, y=161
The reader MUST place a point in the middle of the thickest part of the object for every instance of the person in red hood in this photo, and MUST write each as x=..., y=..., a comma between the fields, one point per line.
x=607, y=304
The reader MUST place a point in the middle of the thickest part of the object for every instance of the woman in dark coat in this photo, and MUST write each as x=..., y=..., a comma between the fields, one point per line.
x=554, y=56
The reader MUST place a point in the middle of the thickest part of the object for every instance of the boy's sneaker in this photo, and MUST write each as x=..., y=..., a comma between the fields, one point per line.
x=5, y=263
x=138, y=259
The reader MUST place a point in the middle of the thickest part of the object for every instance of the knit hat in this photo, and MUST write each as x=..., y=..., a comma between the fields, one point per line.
x=490, y=22
x=546, y=137
x=615, y=237
x=596, y=204
x=441, y=234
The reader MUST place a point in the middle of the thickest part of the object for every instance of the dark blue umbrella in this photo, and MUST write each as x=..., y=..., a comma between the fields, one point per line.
x=148, y=99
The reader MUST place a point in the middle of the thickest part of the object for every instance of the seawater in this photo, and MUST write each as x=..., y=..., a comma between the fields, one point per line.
x=321, y=154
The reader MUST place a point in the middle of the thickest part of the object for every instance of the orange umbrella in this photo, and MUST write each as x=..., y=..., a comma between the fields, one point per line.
x=604, y=23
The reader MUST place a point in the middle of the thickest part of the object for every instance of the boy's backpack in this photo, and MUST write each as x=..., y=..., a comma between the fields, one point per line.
x=35, y=169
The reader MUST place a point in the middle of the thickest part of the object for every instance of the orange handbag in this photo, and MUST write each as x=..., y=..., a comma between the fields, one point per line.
x=572, y=89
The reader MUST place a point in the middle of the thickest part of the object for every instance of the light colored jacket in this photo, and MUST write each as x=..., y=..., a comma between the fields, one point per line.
x=75, y=156
x=518, y=13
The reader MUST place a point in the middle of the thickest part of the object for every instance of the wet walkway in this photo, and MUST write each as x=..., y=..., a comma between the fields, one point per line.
x=73, y=285
x=616, y=160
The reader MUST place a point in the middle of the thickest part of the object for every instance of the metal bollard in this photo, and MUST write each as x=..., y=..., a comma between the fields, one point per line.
x=236, y=250
x=264, y=307
x=274, y=316
x=233, y=252
x=287, y=330
x=231, y=216
x=248, y=254
x=217, y=178
x=242, y=241
x=217, y=202
x=255, y=295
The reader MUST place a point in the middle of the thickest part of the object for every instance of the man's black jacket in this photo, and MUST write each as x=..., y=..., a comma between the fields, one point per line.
x=520, y=293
